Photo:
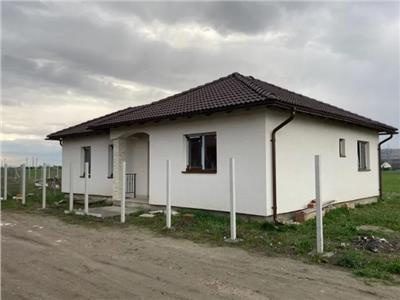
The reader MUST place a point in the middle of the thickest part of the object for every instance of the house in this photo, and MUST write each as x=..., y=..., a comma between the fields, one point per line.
x=273, y=134
x=392, y=156
x=386, y=166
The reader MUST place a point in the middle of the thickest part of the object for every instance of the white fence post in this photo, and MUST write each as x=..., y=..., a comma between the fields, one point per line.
x=123, y=192
x=36, y=165
x=5, y=182
x=86, y=188
x=23, y=175
x=232, y=181
x=71, y=188
x=319, y=221
x=44, y=186
x=168, y=204
x=1, y=169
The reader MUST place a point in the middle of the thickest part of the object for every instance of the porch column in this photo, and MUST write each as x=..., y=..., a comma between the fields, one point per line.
x=119, y=155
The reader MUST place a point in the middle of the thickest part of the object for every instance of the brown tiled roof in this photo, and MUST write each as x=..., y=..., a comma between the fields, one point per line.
x=226, y=93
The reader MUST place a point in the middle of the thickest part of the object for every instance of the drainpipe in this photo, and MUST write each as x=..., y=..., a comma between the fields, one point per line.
x=379, y=163
x=273, y=140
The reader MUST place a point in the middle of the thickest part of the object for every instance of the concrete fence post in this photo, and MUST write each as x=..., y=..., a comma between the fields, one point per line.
x=319, y=218
x=123, y=192
x=232, y=184
x=23, y=177
x=5, y=181
x=71, y=188
x=168, y=191
x=36, y=165
x=44, y=185
x=86, y=188
x=1, y=169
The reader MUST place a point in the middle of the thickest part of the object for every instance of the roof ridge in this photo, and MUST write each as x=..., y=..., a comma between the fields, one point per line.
x=192, y=89
x=253, y=86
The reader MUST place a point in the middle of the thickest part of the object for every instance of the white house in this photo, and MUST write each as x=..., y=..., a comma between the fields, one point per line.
x=272, y=133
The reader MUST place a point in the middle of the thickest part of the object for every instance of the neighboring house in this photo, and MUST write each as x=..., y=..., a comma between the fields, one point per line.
x=386, y=166
x=237, y=116
x=392, y=156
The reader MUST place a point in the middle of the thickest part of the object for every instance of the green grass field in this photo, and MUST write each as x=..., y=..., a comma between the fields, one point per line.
x=297, y=241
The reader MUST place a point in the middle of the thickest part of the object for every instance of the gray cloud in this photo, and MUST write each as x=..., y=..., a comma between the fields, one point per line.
x=91, y=58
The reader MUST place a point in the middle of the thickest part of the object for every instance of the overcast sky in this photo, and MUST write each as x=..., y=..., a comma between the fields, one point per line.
x=64, y=63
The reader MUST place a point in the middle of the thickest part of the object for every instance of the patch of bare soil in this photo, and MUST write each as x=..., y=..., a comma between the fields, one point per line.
x=44, y=258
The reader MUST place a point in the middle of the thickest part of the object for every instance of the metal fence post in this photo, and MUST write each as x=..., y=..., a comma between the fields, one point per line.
x=319, y=221
x=168, y=191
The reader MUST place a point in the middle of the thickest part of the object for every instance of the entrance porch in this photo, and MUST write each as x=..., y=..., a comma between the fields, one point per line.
x=134, y=150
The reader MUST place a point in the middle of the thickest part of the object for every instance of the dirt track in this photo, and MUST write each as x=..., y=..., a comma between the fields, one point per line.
x=43, y=258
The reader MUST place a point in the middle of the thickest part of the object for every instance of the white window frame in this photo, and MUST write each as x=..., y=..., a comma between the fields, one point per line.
x=363, y=155
x=342, y=147
x=83, y=161
x=203, y=149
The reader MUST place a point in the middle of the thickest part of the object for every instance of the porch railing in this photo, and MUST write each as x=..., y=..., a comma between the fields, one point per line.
x=131, y=184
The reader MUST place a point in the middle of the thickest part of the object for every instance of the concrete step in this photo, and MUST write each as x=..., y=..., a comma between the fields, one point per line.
x=132, y=203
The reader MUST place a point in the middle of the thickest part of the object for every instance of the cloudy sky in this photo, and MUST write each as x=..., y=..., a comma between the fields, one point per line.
x=64, y=63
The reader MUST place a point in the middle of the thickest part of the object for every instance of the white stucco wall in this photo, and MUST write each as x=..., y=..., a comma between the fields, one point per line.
x=244, y=135
x=99, y=184
x=241, y=135
x=296, y=145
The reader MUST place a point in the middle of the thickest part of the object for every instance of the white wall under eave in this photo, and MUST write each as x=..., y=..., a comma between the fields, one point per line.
x=99, y=184
x=296, y=145
x=239, y=134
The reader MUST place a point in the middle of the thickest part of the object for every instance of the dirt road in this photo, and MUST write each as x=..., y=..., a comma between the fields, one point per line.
x=44, y=258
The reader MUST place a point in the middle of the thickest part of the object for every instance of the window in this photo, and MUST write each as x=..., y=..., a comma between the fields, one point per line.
x=85, y=158
x=110, y=160
x=363, y=155
x=202, y=153
x=342, y=148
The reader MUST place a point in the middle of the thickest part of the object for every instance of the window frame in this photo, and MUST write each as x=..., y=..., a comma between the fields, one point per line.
x=83, y=149
x=342, y=147
x=202, y=169
x=110, y=159
x=365, y=159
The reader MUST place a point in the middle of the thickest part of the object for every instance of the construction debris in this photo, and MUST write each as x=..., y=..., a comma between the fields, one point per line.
x=310, y=212
x=374, y=244
x=147, y=215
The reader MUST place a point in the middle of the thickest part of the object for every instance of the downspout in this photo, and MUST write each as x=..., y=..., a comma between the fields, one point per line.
x=273, y=140
x=379, y=163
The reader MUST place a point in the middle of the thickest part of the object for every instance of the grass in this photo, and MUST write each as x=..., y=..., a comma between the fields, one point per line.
x=296, y=241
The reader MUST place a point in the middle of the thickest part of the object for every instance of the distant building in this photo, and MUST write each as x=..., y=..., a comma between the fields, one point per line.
x=392, y=156
x=386, y=166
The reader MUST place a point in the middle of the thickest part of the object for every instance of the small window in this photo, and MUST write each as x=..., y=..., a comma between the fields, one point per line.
x=342, y=148
x=202, y=153
x=363, y=155
x=85, y=158
x=110, y=160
